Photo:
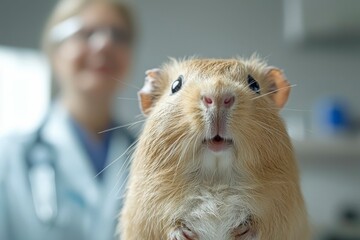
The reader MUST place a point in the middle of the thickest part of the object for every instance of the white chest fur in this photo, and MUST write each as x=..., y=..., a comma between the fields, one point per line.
x=214, y=212
x=217, y=207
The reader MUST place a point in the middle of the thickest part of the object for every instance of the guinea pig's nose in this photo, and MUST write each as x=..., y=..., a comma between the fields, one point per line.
x=226, y=101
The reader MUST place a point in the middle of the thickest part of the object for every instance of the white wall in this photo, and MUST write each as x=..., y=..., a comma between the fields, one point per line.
x=25, y=93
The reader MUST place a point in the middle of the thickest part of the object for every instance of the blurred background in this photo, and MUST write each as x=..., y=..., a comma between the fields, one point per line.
x=316, y=42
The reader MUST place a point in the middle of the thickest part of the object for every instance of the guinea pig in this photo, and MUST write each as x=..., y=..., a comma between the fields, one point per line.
x=214, y=160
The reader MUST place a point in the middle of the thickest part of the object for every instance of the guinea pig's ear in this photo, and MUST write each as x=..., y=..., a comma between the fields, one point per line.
x=146, y=93
x=279, y=86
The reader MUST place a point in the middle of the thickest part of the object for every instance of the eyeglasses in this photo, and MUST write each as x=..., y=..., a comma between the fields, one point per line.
x=74, y=28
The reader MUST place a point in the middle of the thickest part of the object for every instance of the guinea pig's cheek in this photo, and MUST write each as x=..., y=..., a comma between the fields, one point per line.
x=192, y=110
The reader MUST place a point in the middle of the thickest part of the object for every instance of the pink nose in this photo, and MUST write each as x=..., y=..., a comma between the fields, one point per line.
x=226, y=101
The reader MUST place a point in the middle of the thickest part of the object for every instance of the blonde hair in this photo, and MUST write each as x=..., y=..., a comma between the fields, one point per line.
x=68, y=8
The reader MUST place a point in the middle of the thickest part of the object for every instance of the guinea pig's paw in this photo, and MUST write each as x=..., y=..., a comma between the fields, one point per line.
x=242, y=232
x=182, y=232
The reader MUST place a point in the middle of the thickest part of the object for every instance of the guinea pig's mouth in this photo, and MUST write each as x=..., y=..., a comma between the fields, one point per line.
x=218, y=143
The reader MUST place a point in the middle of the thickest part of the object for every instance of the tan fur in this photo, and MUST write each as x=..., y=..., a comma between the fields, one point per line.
x=169, y=185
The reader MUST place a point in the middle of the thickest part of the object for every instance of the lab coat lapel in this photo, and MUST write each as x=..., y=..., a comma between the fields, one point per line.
x=72, y=162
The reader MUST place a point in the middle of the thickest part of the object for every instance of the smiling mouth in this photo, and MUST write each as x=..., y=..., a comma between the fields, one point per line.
x=218, y=143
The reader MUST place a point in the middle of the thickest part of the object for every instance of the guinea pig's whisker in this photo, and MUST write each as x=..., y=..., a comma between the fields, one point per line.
x=109, y=165
x=126, y=84
x=274, y=91
x=140, y=116
x=118, y=181
x=125, y=166
x=272, y=130
x=131, y=99
x=183, y=152
x=134, y=123
x=120, y=188
x=248, y=85
x=268, y=128
x=127, y=162
x=117, y=159
x=296, y=110
x=173, y=149
x=197, y=138
x=288, y=109
x=122, y=126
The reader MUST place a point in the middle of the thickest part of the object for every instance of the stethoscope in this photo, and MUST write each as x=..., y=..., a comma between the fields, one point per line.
x=41, y=159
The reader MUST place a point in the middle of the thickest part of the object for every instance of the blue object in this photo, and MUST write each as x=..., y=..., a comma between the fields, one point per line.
x=332, y=116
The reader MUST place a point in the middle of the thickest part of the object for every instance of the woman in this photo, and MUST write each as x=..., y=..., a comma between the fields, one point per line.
x=51, y=181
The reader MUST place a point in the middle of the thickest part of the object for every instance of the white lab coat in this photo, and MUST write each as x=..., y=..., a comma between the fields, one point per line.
x=87, y=208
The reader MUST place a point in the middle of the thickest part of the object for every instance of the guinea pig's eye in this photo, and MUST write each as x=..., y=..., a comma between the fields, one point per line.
x=253, y=84
x=177, y=84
